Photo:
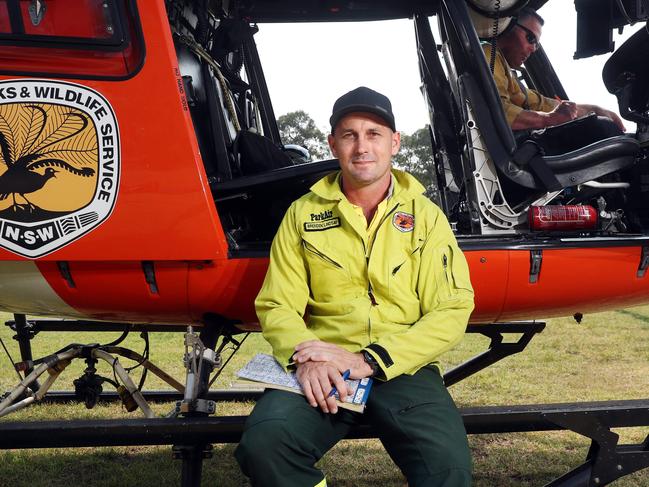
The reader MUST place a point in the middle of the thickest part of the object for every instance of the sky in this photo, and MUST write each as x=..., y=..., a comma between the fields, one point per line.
x=308, y=66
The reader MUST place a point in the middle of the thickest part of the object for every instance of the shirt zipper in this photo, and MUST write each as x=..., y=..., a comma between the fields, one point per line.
x=367, y=256
x=448, y=281
x=369, y=284
x=370, y=292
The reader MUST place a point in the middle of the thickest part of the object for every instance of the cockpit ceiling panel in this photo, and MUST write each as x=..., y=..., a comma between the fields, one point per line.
x=537, y=4
x=329, y=10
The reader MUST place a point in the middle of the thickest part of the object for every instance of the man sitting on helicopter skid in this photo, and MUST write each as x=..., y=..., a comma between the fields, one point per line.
x=527, y=111
x=386, y=291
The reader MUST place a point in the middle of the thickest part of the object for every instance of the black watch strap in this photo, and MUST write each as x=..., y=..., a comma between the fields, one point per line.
x=371, y=361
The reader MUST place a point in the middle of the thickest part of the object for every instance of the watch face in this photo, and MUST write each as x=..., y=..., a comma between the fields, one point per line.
x=369, y=360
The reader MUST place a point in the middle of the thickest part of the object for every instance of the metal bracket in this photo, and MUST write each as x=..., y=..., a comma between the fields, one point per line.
x=25, y=332
x=36, y=9
x=644, y=262
x=149, y=275
x=606, y=460
x=64, y=269
x=497, y=349
x=536, y=259
x=203, y=406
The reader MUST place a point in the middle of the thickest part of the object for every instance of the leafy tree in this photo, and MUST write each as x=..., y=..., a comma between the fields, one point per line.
x=416, y=156
x=298, y=128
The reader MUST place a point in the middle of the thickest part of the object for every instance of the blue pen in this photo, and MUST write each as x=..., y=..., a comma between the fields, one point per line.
x=345, y=377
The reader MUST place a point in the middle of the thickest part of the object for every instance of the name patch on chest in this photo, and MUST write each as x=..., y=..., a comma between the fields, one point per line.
x=318, y=226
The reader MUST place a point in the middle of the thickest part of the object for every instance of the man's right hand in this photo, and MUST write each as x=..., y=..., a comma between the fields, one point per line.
x=319, y=351
x=562, y=113
x=317, y=379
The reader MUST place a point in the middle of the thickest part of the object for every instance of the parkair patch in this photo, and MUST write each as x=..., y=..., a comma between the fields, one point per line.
x=59, y=164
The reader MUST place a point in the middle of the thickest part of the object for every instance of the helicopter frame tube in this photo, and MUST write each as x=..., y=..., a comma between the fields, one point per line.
x=606, y=460
x=498, y=349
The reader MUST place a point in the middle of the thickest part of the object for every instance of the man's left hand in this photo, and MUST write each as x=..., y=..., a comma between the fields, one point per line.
x=319, y=351
x=615, y=117
x=585, y=109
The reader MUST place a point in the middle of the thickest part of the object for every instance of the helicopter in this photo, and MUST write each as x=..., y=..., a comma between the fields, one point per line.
x=143, y=175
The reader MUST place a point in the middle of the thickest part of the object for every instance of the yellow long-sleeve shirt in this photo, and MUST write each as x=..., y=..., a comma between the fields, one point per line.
x=405, y=296
x=512, y=96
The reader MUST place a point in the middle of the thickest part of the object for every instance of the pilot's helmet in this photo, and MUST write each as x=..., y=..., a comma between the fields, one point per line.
x=487, y=14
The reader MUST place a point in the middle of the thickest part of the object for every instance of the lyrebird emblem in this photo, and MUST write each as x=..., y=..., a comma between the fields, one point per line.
x=33, y=138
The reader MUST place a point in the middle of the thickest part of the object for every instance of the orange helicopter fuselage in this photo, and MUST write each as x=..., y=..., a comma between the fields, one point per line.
x=160, y=254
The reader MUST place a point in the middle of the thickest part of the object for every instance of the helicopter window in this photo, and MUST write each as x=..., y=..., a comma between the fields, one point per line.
x=83, y=39
x=87, y=19
x=324, y=53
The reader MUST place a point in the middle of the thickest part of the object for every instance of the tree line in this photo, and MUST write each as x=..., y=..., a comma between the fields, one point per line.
x=415, y=156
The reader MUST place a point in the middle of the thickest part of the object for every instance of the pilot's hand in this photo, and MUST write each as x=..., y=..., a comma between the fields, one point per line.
x=562, y=113
x=317, y=380
x=319, y=351
x=613, y=116
x=585, y=109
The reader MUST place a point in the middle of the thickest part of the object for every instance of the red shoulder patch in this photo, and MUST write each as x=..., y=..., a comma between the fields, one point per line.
x=404, y=222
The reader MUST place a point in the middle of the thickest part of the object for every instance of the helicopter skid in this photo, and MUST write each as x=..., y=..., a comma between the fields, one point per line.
x=606, y=461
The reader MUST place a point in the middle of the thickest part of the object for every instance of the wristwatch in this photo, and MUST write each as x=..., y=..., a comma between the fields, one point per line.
x=371, y=361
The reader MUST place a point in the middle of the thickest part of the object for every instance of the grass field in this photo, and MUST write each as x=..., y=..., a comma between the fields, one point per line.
x=605, y=357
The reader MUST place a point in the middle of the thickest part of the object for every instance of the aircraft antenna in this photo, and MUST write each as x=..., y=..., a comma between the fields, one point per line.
x=236, y=344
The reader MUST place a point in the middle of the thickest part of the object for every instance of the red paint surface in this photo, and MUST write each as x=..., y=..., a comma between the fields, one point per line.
x=571, y=280
x=164, y=208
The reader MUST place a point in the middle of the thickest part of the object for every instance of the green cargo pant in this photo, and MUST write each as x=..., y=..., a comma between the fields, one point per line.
x=414, y=417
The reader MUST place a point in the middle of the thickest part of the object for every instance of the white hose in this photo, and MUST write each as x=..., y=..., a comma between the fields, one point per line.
x=597, y=184
x=19, y=405
x=126, y=380
x=35, y=374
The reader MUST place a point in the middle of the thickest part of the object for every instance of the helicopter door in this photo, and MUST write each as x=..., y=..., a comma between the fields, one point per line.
x=444, y=116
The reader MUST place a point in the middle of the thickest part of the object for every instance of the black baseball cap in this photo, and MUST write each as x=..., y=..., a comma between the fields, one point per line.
x=363, y=99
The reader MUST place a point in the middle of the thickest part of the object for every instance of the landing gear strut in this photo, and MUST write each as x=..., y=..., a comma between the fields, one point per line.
x=200, y=359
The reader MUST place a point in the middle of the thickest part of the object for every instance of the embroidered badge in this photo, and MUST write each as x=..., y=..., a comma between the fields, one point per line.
x=319, y=226
x=404, y=222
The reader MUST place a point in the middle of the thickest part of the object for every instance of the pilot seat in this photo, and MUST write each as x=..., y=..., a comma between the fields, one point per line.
x=502, y=179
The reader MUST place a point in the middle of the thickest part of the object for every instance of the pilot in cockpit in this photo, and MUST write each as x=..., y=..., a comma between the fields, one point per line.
x=527, y=111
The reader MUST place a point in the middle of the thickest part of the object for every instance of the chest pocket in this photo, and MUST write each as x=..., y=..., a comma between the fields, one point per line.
x=452, y=273
x=403, y=274
x=328, y=276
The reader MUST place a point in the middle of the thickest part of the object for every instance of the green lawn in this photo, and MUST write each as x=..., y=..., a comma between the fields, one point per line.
x=603, y=358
